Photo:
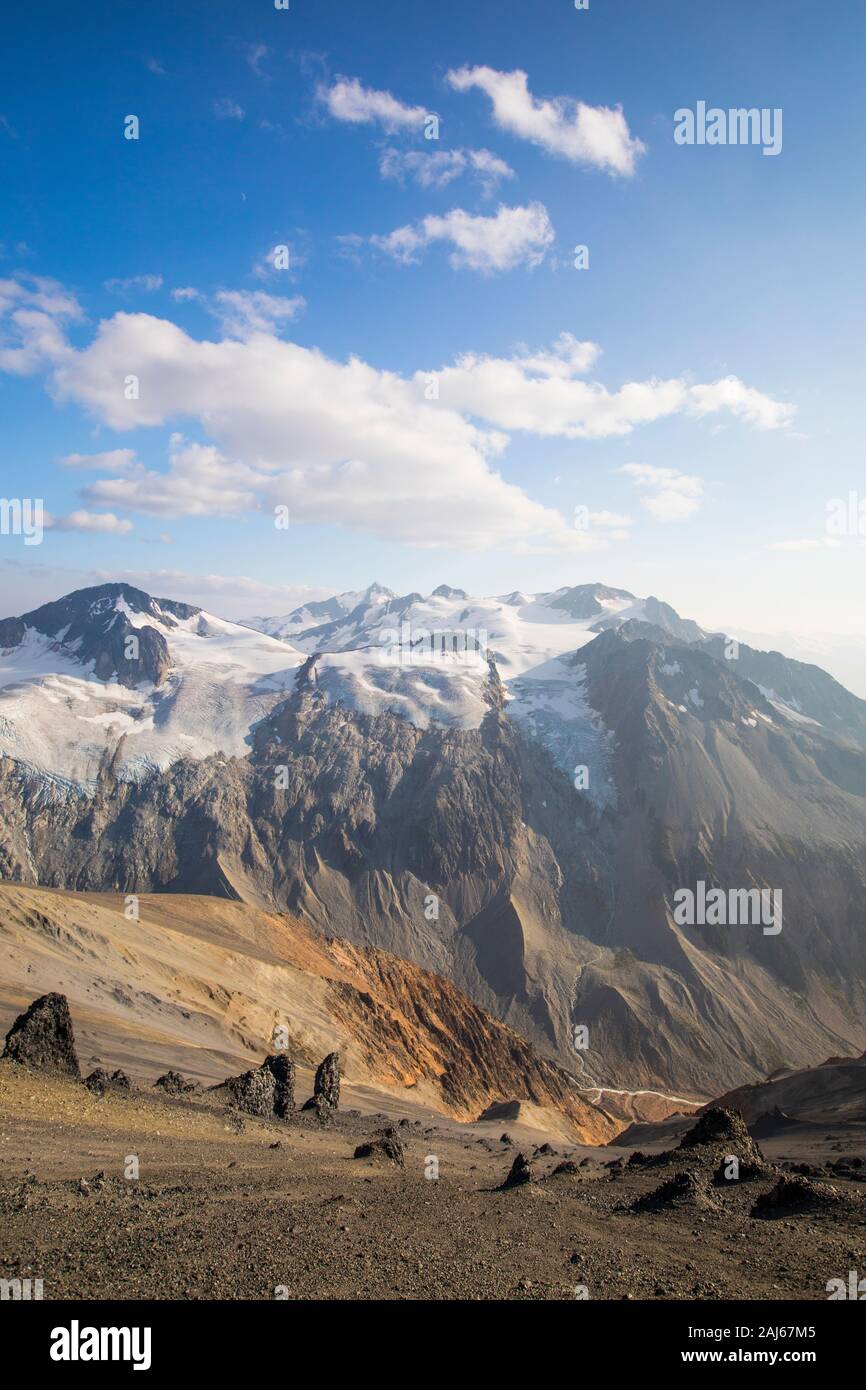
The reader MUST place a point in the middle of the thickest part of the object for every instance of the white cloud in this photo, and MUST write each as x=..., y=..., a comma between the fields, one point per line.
x=242, y=312
x=510, y=237
x=612, y=526
x=438, y=168
x=227, y=109
x=542, y=394
x=343, y=443
x=756, y=409
x=102, y=523
x=672, y=496
x=255, y=55
x=338, y=443
x=200, y=482
x=271, y=264
x=347, y=100
x=145, y=283
x=33, y=313
x=596, y=135
x=38, y=292
x=111, y=461
x=155, y=66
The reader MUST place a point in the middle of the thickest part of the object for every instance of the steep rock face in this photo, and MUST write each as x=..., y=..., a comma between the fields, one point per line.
x=423, y=842
x=800, y=686
x=469, y=852
x=713, y=785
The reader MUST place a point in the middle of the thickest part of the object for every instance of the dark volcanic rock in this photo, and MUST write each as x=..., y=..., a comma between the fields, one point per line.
x=385, y=1147
x=723, y=1133
x=100, y=1081
x=253, y=1091
x=520, y=1174
x=717, y=1126
x=42, y=1037
x=805, y=1170
x=747, y=1171
x=796, y=1194
x=326, y=1088
x=283, y=1072
x=567, y=1167
x=685, y=1189
x=174, y=1084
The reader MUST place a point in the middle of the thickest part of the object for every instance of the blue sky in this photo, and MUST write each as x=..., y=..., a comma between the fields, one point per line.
x=706, y=263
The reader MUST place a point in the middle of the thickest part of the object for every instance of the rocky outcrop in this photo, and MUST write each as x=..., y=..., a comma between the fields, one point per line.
x=101, y=1081
x=267, y=1091
x=720, y=1137
x=253, y=1092
x=43, y=1037
x=519, y=1174
x=720, y=1127
x=387, y=1146
x=796, y=1194
x=174, y=1084
x=325, y=1100
x=283, y=1072
x=686, y=1189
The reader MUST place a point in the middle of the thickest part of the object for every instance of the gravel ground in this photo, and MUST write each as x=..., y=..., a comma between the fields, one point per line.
x=236, y=1208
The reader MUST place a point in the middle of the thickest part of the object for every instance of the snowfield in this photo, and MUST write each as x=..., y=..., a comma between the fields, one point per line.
x=442, y=659
x=58, y=719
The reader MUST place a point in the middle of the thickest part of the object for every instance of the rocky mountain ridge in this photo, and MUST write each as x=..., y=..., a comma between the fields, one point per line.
x=518, y=824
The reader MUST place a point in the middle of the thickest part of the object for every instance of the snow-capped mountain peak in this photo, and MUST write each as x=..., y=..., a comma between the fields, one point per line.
x=111, y=675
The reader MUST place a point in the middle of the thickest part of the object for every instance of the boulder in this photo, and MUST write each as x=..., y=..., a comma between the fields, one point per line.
x=42, y=1037
x=326, y=1088
x=385, y=1147
x=520, y=1174
x=253, y=1092
x=174, y=1084
x=100, y=1081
